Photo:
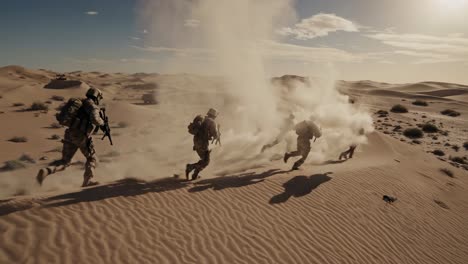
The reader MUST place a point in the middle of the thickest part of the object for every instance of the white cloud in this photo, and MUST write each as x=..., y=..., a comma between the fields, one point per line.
x=273, y=50
x=137, y=60
x=92, y=13
x=318, y=26
x=293, y=52
x=432, y=49
x=193, y=23
x=108, y=61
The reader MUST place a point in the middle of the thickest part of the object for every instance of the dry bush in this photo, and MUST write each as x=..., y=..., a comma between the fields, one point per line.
x=27, y=158
x=438, y=152
x=430, y=128
x=57, y=98
x=18, y=104
x=450, y=112
x=458, y=160
x=55, y=125
x=465, y=145
x=122, y=124
x=12, y=165
x=413, y=133
x=18, y=139
x=448, y=172
x=38, y=106
x=54, y=137
x=420, y=103
x=398, y=108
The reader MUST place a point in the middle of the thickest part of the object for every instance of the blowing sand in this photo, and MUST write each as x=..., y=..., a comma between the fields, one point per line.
x=247, y=208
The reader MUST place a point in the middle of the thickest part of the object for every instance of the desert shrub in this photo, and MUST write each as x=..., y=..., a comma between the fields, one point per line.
x=444, y=133
x=112, y=154
x=54, y=137
x=413, y=133
x=56, y=149
x=382, y=112
x=55, y=125
x=38, y=106
x=465, y=145
x=458, y=160
x=18, y=104
x=447, y=172
x=122, y=124
x=18, y=139
x=27, y=158
x=456, y=148
x=438, y=152
x=415, y=141
x=13, y=165
x=429, y=128
x=450, y=112
x=420, y=103
x=397, y=128
x=398, y=108
x=48, y=102
x=57, y=98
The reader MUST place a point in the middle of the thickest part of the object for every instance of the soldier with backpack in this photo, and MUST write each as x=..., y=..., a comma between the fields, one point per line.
x=204, y=130
x=305, y=130
x=83, y=118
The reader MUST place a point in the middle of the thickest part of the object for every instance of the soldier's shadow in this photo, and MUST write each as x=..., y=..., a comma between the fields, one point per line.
x=124, y=187
x=300, y=186
x=234, y=181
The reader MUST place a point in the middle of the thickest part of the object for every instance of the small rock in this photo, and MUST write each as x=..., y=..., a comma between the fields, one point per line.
x=389, y=199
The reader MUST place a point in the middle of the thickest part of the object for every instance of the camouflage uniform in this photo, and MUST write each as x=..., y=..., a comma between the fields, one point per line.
x=78, y=136
x=303, y=144
x=303, y=149
x=349, y=153
x=201, y=141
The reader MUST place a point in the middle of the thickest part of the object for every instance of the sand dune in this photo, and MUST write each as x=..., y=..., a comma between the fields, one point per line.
x=322, y=214
x=247, y=207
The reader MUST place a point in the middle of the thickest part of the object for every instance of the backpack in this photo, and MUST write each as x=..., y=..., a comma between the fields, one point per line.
x=195, y=126
x=69, y=112
x=308, y=128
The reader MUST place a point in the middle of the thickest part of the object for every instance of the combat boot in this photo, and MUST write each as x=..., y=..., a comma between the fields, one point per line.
x=41, y=175
x=195, y=175
x=188, y=168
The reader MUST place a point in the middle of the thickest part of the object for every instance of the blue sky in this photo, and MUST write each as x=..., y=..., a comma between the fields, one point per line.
x=383, y=40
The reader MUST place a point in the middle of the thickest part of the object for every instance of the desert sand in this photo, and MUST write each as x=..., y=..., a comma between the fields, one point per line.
x=247, y=207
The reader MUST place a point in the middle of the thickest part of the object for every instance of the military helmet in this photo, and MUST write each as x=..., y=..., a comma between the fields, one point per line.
x=212, y=112
x=94, y=93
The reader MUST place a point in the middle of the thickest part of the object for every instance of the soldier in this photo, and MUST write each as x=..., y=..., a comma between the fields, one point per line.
x=348, y=154
x=306, y=130
x=204, y=131
x=287, y=125
x=78, y=136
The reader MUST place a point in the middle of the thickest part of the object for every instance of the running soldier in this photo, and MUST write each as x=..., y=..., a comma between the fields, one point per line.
x=306, y=130
x=82, y=117
x=205, y=130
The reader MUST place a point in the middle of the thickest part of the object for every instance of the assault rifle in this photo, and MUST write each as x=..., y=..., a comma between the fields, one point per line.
x=105, y=128
x=218, y=140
